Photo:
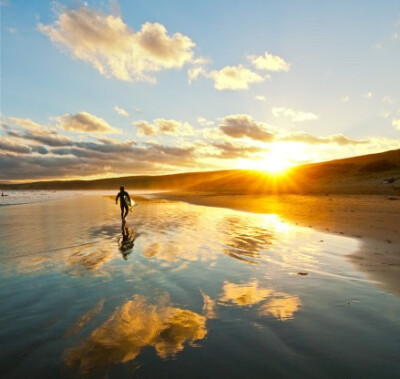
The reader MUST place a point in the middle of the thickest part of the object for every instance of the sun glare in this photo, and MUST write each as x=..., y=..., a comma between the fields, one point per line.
x=276, y=161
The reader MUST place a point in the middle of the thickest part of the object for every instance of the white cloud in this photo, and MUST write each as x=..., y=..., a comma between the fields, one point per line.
x=260, y=98
x=295, y=116
x=84, y=122
x=345, y=99
x=198, y=68
x=387, y=100
x=234, y=78
x=195, y=72
x=121, y=111
x=368, y=95
x=269, y=62
x=396, y=123
x=205, y=122
x=114, y=49
x=187, y=129
x=12, y=30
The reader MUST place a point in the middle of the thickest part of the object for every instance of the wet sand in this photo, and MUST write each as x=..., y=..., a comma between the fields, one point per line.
x=375, y=220
x=183, y=290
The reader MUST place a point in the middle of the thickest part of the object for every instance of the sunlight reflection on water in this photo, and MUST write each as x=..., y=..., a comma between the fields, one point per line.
x=189, y=282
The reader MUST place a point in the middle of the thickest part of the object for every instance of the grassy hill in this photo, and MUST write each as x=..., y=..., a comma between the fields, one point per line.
x=356, y=175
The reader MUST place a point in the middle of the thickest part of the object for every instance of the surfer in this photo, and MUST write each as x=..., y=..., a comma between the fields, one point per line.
x=124, y=202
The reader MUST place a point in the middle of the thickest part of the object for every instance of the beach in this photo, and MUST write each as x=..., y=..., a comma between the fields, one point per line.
x=183, y=289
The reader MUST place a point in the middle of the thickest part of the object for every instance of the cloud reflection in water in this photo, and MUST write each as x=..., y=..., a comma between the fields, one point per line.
x=280, y=305
x=130, y=328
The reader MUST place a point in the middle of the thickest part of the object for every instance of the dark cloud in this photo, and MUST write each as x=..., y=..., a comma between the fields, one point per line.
x=39, y=149
x=14, y=147
x=228, y=150
x=30, y=151
x=46, y=137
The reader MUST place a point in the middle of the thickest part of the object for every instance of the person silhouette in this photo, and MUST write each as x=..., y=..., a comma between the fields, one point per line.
x=124, y=202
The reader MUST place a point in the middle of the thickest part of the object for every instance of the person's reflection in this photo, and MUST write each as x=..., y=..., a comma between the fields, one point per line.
x=126, y=242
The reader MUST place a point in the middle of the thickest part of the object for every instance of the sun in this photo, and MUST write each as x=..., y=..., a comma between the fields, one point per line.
x=276, y=161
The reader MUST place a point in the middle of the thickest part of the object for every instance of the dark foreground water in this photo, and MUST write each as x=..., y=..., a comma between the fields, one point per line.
x=184, y=291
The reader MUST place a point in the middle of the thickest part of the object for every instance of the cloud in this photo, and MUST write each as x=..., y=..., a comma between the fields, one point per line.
x=387, y=100
x=234, y=78
x=145, y=128
x=345, y=99
x=205, y=122
x=12, y=30
x=8, y=145
x=167, y=126
x=368, y=95
x=338, y=139
x=35, y=132
x=173, y=151
x=195, y=72
x=198, y=68
x=260, y=98
x=295, y=116
x=269, y=62
x=396, y=123
x=227, y=150
x=30, y=151
x=163, y=126
x=121, y=111
x=115, y=50
x=243, y=126
x=96, y=158
x=26, y=122
x=84, y=122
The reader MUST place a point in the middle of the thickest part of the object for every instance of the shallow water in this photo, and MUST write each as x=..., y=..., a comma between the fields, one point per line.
x=184, y=290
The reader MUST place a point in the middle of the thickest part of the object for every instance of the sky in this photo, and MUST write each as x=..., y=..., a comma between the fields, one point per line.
x=131, y=87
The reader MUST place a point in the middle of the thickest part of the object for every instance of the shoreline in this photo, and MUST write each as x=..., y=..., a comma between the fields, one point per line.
x=374, y=219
